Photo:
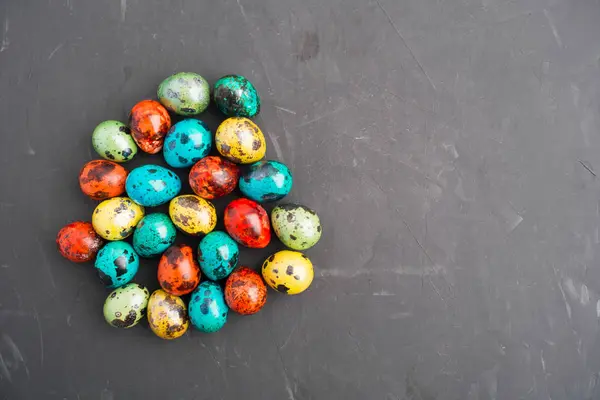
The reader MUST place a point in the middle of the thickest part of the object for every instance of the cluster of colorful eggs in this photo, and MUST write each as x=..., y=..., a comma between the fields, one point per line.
x=187, y=144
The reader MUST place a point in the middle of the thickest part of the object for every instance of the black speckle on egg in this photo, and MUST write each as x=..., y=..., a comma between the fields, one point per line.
x=283, y=288
x=289, y=270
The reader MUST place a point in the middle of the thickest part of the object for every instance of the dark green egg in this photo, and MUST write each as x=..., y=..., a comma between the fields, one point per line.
x=236, y=96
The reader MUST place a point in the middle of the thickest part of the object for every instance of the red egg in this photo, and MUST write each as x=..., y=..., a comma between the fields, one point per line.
x=248, y=223
x=78, y=242
x=213, y=177
x=245, y=291
x=102, y=179
x=149, y=122
x=178, y=270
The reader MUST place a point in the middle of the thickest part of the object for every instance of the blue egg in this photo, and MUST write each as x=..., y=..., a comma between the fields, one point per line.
x=217, y=255
x=186, y=143
x=116, y=264
x=152, y=185
x=207, y=308
x=266, y=181
x=153, y=235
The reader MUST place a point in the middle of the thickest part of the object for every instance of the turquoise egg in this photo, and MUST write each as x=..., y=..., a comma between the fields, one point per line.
x=207, y=308
x=236, y=96
x=218, y=255
x=186, y=143
x=116, y=264
x=153, y=235
x=152, y=185
x=266, y=181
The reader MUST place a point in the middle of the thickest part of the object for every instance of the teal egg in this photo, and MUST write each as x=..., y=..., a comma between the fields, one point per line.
x=116, y=264
x=184, y=93
x=112, y=140
x=207, y=309
x=186, y=143
x=218, y=255
x=152, y=185
x=236, y=96
x=266, y=181
x=153, y=235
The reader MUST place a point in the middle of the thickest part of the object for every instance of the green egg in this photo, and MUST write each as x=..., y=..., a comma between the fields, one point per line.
x=112, y=140
x=236, y=96
x=184, y=93
x=126, y=306
x=297, y=226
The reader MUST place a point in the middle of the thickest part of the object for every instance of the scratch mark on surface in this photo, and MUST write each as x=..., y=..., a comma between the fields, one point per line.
x=553, y=27
x=598, y=309
x=57, y=48
x=69, y=320
x=106, y=393
x=5, y=41
x=16, y=353
x=589, y=169
x=564, y=296
x=123, y=9
x=403, y=270
x=384, y=293
x=289, y=337
x=584, y=297
x=406, y=45
x=285, y=110
x=242, y=11
x=45, y=261
x=39, y=325
x=543, y=361
x=4, y=369
x=215, y=361
x=320, y=117
x=275, y=142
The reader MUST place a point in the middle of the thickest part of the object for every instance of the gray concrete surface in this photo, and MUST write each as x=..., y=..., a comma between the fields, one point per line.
x=451, y=148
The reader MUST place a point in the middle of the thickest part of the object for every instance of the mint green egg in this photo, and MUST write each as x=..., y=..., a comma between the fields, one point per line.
x=297, y=226
x=184, y=93
x=236, y=96
x=126, y=306
x=112, y=140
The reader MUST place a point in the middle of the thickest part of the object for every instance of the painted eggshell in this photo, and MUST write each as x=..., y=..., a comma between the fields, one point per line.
x=78, y=242
x=218, y=255
x=248, y=223
x=289, y=272
x=213, y=177
x=178, y=271
x=266, y=181
x=186, y=143
x=192, y=214
x=207, y=309
x=149, y=122
x=116, y=264
x=126, y=306
x=167, y=315
x=115, y=219
x=240, y=140
x=153, y=235
x=112, y=140
x=185, y=93
x=236, y=96
x=245, y=291
x=297, y=226
x=152, y=185
x=101, y=179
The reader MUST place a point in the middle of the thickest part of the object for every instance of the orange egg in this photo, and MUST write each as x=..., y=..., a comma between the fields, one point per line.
x=149, y=122
x=178, y=270
x=102, y=179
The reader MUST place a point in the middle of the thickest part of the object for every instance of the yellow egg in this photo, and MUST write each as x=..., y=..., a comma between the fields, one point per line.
x=115, y=219
x=289, y=272
x=240, y=140
x=192, y=214
x=167, y=315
